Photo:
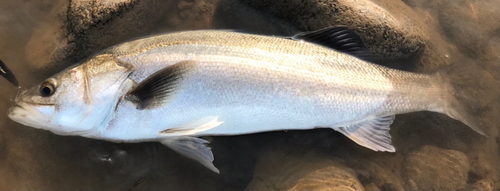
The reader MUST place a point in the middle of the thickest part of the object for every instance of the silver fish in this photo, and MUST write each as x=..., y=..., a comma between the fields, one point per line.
x=176, y=87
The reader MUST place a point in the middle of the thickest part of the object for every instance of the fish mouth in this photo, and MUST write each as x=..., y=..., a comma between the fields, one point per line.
x=25, y=114
x=19, y=114
x=29, y=115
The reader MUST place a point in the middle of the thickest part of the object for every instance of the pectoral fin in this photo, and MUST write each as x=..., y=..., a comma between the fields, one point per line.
x=371, y=133
x=155, y=90
x=191, y=128
x=193, y=148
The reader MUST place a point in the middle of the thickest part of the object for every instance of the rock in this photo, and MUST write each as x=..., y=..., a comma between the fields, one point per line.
x=191, y=15
x=76, y=29
x=278, y=170
x=371, y=174
x=470, y=24
x=329, y=178
x=432, y=168
x=389, y=29
x=480, y=166
x=233, y=14
x=371, y=187
x=481, y=185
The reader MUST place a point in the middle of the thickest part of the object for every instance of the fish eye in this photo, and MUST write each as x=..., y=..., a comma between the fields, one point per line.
x=47, y=88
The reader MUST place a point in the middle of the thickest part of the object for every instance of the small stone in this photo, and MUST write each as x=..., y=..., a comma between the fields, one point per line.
x=432, y=168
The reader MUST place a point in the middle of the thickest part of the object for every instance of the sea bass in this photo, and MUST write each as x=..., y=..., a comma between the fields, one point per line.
x=176, y=87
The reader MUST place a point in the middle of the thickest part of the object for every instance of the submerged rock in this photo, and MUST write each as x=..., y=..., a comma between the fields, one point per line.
x=278, y=170
x=76, y=29
x=233, y=14
x=482, y=185
x=387, y=28
x=432, y=168
x=191, y=15
x=372, y=175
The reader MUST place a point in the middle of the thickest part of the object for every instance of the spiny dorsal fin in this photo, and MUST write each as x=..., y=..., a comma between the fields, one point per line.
x=371, y=133
x=341, y=39
x=157, y=88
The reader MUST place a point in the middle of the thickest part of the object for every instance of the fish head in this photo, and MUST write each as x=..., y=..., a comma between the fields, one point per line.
x=76, y=101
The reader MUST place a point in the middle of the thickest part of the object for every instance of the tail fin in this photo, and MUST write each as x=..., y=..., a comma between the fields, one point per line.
x=464, y=92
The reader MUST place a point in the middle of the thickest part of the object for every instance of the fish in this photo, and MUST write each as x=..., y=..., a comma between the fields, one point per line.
x=176, y=88
x=7, y=74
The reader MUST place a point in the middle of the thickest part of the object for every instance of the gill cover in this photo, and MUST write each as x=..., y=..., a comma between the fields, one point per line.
x=75, y=101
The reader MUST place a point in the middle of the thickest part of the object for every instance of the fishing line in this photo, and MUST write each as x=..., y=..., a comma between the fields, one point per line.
x=17, y=94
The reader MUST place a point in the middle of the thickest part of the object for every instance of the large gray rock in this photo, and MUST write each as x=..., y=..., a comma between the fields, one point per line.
x=388, y=28
x=432, y=168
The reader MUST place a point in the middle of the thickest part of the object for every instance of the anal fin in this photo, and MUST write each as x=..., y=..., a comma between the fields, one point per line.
x=371, y=133
x=193, y=148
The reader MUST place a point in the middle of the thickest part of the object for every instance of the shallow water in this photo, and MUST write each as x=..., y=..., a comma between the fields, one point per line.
x=40, y=38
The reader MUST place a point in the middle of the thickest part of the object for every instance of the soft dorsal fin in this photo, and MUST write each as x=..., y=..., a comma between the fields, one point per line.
x=341, y=39
x=371, y=133
x=157, y=88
